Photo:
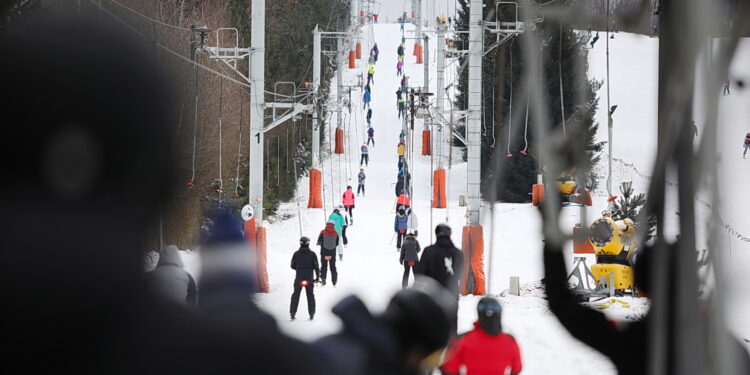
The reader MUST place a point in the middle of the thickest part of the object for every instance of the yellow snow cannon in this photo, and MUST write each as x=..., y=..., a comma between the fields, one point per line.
x=614, y=244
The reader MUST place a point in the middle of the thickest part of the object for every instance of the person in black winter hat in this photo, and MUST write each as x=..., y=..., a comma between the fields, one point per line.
x=305, y=262
x=442, y=261
x=406, y=339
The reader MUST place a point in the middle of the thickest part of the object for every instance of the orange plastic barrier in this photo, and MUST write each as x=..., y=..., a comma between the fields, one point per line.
x=256, y=237
x=352, y=64
x=262, y=260
x=419, y=54
x=537, y=194
x=581, y=242
x=426, y=149
x=472, y=276
x=439, y=194
x=315, y=200
x=358, y=50
x=339, y=141
x=414, y=51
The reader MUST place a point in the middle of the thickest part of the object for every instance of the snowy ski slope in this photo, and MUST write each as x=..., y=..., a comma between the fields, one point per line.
x=370, y=267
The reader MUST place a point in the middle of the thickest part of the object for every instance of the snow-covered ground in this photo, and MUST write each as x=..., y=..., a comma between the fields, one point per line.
x=370, y=267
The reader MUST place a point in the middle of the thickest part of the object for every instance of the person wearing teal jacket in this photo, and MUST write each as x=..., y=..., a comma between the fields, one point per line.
x=338, y=223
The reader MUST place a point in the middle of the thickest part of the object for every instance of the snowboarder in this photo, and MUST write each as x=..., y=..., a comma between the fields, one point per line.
x=401, y=106
x=328, y=240
x=409, y=256
x=399, y=68
x=369, y=116
x=366, y=98
x=305, y=263
x=361, y=180
x=348, y=200
x=727, y=83
x=485, y=349
x=170, y=280
x=399, y=226
x=746, y=144
x=371, y=136
x=347, y=223
x=442, y=261
x=365, y=155
x=338, y=220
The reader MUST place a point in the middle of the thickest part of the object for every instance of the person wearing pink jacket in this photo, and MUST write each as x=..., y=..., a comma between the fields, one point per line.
x=348, y=201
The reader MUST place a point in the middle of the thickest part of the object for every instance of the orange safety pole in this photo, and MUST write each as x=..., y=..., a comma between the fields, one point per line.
x=358, y=50
x=419, y=54
x=262, y=260
x=315, y=200
x=439, y=194
x=339, y=141
x=352, y=64
x=426, y=150
x=472, y=277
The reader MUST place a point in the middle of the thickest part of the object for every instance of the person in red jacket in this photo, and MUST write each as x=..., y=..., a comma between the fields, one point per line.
x=348, y=201
x=485, y=349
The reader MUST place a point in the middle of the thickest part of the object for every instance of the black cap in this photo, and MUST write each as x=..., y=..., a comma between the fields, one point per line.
x=304, y=241
x=442, y=230
x=490, y=312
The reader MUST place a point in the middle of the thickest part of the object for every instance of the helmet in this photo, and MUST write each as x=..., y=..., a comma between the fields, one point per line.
x=442, y=230
x=304, y=241
x=410, y=232
x=490, y=312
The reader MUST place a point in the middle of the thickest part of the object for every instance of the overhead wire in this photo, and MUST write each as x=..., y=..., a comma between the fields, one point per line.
x=123, y=6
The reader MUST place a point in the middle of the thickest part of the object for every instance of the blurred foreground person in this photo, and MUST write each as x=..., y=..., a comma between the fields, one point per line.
x=170, y=280
x=406, y=339
x=485, y=349
x=90, y=157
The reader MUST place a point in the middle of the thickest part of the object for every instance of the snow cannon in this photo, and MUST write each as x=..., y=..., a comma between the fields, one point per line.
x=614, y=245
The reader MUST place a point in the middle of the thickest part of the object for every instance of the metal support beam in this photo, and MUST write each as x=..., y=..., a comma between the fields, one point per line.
x=257, y=106
x=287, y=116
x=474, y=121
x=339, y=81
x=316, y=113
x=438, y=137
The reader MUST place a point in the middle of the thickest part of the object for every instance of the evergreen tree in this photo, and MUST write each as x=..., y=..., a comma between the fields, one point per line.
x=629, y=206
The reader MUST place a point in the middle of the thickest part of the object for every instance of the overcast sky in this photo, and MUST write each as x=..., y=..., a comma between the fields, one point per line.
x=392, y=9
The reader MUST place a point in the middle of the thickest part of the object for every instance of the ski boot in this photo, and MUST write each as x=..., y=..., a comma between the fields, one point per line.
x=311, y=316
x=292, y=316
x=341, y=257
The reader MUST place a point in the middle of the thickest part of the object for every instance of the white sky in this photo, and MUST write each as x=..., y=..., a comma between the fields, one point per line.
x=390, y=10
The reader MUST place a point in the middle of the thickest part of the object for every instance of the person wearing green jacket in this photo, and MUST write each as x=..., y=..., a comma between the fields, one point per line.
x=338, y=223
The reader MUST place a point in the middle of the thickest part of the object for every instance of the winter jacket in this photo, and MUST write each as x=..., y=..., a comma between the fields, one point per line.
x=361, y=178
x=363, y=149
x=371, y=70
x=747, y=141
x=338, y=220
x=366, y=345
x=348, y=198
x=400, y=222
x=402, y=184
x=369, y=114
x=370, y=132
x=483, y=354
x=398, y=95
x=403, y=200
x=328, y=240
x=400, y=65
x=400, y=49
x=366, y=96
x=401, y=149
x=170, y=280
x=412, y=223
x=410, y=250
x=305, y=262
x=442, y=262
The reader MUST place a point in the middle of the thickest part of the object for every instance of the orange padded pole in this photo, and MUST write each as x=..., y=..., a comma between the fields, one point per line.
x=439, y=194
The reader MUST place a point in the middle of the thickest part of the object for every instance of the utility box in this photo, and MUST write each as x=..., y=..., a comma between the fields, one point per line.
x=462, y=201
x=515, y=286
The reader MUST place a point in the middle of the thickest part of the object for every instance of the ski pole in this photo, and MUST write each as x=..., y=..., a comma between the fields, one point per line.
x=392, y=238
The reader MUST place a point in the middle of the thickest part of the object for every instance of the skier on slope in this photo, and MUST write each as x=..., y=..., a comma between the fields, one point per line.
x=412, y=223
x=401, y=107
x=399, y=68
x=338, y=220
x=328, y=240
x=746, y=144
x=170, y=280
x=401, y=149
x=361, y=182
x=442, y=261
x=371, y=136
x=347, y=200
x=375, y=48
x=347, y=223
x=486, y=349
x=400, y=51
x=371, y=74
x=304, y=262
x=409, y=256
x=365, y=155
x=366, y=97
x=399, y=226
x=369, y=116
